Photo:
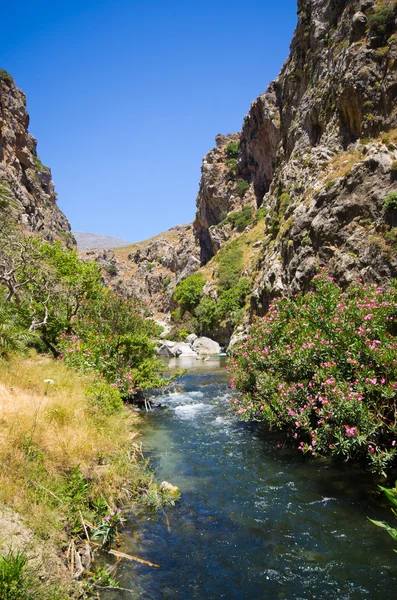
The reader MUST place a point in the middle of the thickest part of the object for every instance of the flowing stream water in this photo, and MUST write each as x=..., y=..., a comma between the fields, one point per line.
x=254, y=521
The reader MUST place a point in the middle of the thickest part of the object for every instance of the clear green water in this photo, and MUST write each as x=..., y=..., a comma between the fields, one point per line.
x=254, y=522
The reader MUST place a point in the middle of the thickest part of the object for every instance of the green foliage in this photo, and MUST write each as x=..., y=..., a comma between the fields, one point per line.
x=231, y=301
x=105, y=399
x=111, y=270
x=108, y=529
x=329, y=184
x=394, y=169
x=188, y=292
x=149, y=266
x=232, y=149
x=323, y=368
x=38, y=165
x=207, y=315
x=390, y=202
x=260, y=214
x=241, y=187
x=283, y=202
x=391, y=495
x=6, y=76
x=15, y=583
x=230, y=268
x=232, y=167
x=380, y=23
x=166, y=282
x=112, y=337
x=240, y=219
x=14, y=337
x=274, y=225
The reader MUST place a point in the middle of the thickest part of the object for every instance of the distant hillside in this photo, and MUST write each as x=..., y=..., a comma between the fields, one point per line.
x=86, y=241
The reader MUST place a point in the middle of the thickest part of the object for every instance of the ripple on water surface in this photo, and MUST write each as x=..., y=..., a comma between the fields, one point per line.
x=254, y=522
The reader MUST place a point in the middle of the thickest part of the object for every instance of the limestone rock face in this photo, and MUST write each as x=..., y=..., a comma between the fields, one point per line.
x=319, y=151
x=22, y=171
x=218, y=195
x=151, y=269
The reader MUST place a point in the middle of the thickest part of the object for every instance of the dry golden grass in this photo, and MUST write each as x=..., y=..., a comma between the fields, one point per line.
x=48, y=429
x=342, y=163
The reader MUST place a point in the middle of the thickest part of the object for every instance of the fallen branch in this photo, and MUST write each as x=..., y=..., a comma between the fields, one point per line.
x=129, y=557
x=109, y=587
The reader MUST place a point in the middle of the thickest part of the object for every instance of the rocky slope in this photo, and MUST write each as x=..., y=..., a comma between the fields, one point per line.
x=318, y=150
x=151, y=269
x=22, y=171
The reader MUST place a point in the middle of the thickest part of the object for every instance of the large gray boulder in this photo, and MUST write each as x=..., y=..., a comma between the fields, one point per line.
x=205, y=346
x=167, y=351
x=183, y=349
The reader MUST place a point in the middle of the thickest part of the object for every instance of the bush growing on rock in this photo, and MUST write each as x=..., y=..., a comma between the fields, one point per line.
x=380, y=23
x=323, y=368
x=390, y=201
x=232, y=149
x=241, y=187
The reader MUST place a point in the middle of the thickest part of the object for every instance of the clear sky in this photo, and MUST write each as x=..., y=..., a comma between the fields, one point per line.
x=126, y=97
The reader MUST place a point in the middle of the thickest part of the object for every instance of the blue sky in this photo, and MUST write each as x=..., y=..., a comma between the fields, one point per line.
x=126, y=97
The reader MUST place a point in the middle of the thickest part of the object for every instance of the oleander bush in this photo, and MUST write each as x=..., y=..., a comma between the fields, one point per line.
x=322, y=367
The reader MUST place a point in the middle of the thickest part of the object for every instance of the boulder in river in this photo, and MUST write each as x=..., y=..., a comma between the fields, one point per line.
x=205, y=346
x=183, y=349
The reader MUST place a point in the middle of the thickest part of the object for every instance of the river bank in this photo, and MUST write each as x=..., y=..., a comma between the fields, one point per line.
x=69, y=454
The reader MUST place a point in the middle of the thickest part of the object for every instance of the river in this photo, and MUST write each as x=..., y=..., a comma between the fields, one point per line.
x=255, y=521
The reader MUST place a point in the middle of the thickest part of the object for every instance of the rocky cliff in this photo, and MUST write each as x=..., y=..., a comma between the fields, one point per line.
x=318, y=151
x=22, y=171
x=151, y=269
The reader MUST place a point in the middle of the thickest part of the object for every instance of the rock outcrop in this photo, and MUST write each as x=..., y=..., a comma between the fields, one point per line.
x=23, y=173
x=151, y=269
x=319, y=152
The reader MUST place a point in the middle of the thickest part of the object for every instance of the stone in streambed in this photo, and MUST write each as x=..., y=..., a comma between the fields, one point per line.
x=205, y=346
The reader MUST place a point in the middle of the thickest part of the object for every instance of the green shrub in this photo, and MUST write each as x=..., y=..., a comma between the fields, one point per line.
x=6, y=76
x=283, y=202
x=323, y=368
x=38, y=165
x=380, y=23
x=390, y=202
x=260, y=214
x=105, y=398
x=230, y=268
x=232, y=167
x=241, y=187
x=112, y=337
x=111, y=269
x=166, y=282
x=188, y=292
x=330, y=184
x=394, y=169
x=240, y=219
x=207, y=315
x=274, y=225
x=149, y=266
x=232, y=149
